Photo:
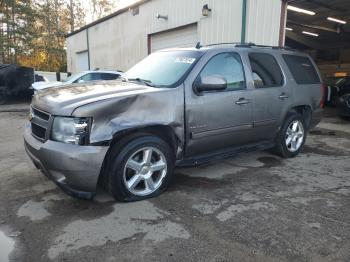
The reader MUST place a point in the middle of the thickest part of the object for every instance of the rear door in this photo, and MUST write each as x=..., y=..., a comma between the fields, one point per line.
x=272, y=97
x=220, y=119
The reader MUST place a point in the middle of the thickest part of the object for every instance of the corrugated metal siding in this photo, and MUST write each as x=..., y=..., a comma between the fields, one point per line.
x=263, y=21
x=183, y=37
x=121, y=41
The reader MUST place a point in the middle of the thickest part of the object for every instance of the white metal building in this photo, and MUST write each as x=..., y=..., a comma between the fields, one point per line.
x=121, y=39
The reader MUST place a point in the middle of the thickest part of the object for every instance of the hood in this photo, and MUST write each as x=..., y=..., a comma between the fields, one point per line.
x=44, y=85
x=64, y=100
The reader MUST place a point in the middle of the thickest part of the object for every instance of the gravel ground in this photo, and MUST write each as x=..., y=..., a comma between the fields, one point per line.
x=254, y=207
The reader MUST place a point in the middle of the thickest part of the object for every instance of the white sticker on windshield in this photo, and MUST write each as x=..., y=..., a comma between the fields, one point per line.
x=186, y=60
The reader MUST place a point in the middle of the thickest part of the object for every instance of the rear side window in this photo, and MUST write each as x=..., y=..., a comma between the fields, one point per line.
x=107, y=76
x=90, y=77
x=302, y=69
x=265, y=69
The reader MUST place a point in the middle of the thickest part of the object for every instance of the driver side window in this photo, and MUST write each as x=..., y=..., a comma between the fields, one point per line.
x=227, y=65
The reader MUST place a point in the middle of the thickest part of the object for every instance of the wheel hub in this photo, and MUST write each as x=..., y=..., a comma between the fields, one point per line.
x=294, y=136
x=145, y=171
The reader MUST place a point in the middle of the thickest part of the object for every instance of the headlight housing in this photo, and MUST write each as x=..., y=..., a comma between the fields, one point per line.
x=71, y=130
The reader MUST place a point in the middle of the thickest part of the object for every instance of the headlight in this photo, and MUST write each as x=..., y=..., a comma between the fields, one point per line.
x=70, y=130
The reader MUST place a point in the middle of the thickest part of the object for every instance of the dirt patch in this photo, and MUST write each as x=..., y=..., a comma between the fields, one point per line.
x=270, y=161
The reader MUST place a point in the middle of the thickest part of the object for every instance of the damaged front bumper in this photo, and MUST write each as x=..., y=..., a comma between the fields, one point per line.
x=75, y=169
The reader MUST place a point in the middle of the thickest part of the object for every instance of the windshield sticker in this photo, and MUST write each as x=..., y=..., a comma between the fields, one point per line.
x=186, y=60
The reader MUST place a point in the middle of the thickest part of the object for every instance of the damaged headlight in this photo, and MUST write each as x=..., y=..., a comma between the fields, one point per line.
x=70, y=130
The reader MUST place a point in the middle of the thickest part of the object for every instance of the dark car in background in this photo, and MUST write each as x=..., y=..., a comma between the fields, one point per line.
x=15, y=81
x=343, y=106
x=341, y=97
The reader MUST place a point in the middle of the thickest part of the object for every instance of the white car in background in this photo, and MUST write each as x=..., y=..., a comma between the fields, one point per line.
x=86, y=76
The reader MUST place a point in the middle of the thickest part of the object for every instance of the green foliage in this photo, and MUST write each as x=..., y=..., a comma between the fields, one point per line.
x=32, y=31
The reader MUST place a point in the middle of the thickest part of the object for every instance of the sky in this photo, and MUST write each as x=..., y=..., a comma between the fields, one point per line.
x=119, y=3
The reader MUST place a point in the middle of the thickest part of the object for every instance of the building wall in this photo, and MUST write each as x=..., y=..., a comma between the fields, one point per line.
x=263, y=21
x=75, y=44
x=122, y=41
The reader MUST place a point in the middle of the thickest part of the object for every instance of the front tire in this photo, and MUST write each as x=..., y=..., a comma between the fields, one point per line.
x=140, y=169
x=291, y=138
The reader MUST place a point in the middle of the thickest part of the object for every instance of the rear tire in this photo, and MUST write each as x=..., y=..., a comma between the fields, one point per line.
x=291, y=138
x=139, y=167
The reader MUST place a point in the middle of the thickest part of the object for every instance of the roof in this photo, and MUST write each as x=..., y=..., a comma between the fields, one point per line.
x=120, y=11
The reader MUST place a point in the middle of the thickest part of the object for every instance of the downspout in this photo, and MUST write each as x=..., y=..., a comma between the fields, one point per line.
x=283, y=21
x=88, y=47
x=244, y=20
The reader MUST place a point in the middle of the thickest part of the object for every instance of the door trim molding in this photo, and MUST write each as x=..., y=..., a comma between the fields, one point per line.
x=220, y=131
x=269, y=122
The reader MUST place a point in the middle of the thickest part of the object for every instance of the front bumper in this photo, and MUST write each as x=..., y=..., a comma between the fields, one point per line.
x=75, y=169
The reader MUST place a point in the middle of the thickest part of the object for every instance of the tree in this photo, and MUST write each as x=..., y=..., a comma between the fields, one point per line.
x=76, y=14
x=101, y=8
x=32, y=32
x=16, y=28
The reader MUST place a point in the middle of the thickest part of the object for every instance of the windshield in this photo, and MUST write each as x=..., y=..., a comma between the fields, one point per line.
x=72, y=77
x=163, y=68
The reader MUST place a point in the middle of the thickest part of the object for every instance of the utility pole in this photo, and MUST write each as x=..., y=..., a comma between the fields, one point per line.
x=71, y=11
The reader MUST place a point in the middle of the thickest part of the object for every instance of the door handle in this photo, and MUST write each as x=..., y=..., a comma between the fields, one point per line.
x=283, y=96
x=242, y=102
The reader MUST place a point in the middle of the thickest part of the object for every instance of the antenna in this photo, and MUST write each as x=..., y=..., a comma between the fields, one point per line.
x=198, y=45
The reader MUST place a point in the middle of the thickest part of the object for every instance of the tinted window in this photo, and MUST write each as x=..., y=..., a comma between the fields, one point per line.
x=107, y=76
x=302, y=69
x=266, y=71
x=90, y=77
x=227, y=65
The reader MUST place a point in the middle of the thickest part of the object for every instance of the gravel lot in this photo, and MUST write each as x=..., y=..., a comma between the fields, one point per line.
x=255, y=207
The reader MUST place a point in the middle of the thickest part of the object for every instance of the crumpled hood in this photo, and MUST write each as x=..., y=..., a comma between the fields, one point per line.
x=64, y=100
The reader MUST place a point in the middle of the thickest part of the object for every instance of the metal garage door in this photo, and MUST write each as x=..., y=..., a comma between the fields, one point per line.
x=83, y=61
x=184, y=37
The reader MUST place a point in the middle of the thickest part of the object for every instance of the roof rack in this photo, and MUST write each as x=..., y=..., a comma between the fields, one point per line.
x=246, y=45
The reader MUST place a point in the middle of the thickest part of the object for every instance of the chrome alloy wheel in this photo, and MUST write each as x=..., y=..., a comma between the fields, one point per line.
x=145, y=171
x=294, y=136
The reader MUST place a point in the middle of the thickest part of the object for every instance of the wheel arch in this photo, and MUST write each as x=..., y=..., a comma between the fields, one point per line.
x=162, y=131
x=304, y=110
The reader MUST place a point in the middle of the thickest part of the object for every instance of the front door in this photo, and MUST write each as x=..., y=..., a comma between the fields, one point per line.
x=218, y=119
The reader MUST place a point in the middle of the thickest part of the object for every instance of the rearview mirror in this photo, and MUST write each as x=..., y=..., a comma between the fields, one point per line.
x=210, y=83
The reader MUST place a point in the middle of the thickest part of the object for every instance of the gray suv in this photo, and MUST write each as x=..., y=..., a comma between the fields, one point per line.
x=177, y=107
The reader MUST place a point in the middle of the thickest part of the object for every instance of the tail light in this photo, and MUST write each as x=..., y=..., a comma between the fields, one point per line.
x=324, y=94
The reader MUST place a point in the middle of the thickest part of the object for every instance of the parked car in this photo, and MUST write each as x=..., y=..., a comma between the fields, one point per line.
x=15, y=80
x=177, y=107
x=343, y=106
x=334, y=85
x=82, y=77
x=343, y=86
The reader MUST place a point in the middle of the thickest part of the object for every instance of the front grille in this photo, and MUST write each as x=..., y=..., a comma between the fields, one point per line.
x=39, y=123
x=38, y=131
x=41, y=114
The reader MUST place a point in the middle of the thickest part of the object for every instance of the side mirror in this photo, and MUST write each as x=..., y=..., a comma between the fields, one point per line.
x=210, y=83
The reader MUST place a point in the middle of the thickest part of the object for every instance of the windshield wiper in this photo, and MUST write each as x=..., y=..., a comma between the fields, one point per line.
x=143, y=81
